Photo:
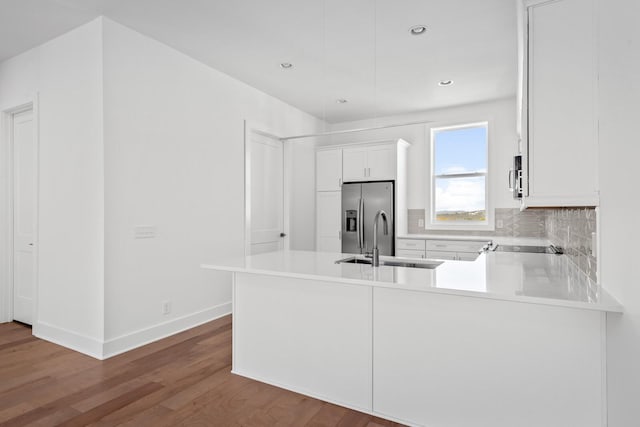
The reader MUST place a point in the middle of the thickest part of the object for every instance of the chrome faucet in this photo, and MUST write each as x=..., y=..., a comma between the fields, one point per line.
x=385, y=228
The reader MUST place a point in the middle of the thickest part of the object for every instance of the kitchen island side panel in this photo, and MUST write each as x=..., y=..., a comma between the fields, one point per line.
x=455, y=361
x=308, y=336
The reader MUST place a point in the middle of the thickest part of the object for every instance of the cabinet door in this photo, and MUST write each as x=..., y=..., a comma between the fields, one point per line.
x=381, y=163
x=435, y=356
x=354, y=164
x=562, y=148
x=328, y=221
x=328, y=170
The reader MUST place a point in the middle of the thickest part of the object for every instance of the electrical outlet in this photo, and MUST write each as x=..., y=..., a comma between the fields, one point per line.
x=145, y=232
x=499, y=223
x=421, y=222
x=166, y=307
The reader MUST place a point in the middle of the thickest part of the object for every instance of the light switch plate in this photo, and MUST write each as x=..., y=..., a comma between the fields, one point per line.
x=499, y=223
x=421, y=222
x=145, y=232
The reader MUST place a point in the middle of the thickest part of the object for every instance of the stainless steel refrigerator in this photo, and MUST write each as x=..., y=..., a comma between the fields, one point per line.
x=360, y=203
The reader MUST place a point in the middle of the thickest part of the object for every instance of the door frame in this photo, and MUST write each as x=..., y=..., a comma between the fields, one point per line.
x=249, y=128
x=6, y=204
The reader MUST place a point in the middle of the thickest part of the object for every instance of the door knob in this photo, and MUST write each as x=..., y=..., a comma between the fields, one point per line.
x=282, y=234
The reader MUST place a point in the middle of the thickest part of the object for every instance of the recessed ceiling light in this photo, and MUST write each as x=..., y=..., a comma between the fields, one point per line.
x=418, y=30
x=445, y=83
x=341, y=101
x=286, y=65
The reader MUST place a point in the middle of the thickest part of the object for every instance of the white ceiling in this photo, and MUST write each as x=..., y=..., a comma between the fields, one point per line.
x=359, y=50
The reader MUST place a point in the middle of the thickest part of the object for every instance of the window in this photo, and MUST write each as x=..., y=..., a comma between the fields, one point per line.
x=459, y=177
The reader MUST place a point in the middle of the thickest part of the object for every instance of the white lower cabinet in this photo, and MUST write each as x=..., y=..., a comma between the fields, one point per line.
x=455, y=250
x=453, y=256
x=421, y=358
x=410, y=248
x=308, y=336
x=455, y=245
x=441, y=360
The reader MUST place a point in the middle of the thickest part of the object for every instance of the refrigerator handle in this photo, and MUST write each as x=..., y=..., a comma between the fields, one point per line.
x=360, y=223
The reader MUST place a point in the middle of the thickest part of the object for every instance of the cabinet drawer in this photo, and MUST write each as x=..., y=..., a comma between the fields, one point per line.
x=442, y=255
x=407, y=253
x=454, y=245
x=411, y=244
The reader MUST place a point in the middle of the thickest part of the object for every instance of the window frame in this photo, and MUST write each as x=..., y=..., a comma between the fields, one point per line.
x=430, y=215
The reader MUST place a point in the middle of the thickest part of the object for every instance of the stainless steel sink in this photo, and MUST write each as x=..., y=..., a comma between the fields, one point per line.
x=412, y=264
x=354, y=260
x=392, y=262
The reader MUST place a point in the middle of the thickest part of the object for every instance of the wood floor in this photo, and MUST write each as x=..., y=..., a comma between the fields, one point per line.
x=183, y=380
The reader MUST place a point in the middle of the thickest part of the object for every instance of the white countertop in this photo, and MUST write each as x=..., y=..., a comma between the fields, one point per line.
x=524, y=277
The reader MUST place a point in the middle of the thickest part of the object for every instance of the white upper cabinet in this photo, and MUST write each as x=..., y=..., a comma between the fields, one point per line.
x=560, y=123
x=369, y=163
x=381, y=161
x=329, y=169
x=354, y=166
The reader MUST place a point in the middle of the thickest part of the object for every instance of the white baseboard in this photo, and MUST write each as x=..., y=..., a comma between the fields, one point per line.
x=103, y=350
x=66, y=338
x=144, y=336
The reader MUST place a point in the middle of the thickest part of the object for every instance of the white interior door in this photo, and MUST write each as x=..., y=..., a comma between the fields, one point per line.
x=24, y=214
x=265, y=193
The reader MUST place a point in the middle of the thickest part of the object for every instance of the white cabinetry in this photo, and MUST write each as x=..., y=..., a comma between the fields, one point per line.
x=421, y=358
x=559, y=125
x=328, y=199
x=354, y=167
x=410, y=248
x=369, y=163
x=376, y=161
x=329, y=169
x=454, y=249
x=443, y=360
x=304, y=335
x=460, y=250
x=328, y=222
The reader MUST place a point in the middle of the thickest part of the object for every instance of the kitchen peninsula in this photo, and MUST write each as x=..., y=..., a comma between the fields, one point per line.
x=424, y=346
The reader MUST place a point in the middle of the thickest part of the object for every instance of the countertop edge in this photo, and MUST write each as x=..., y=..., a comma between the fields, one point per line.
x=445, y=237
x=610, y=307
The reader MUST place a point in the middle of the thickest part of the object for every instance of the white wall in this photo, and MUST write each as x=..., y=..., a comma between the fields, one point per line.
x=619, y=93
x=174, y=155
x=66, y=74
x=502, y=144
x=134, y=133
